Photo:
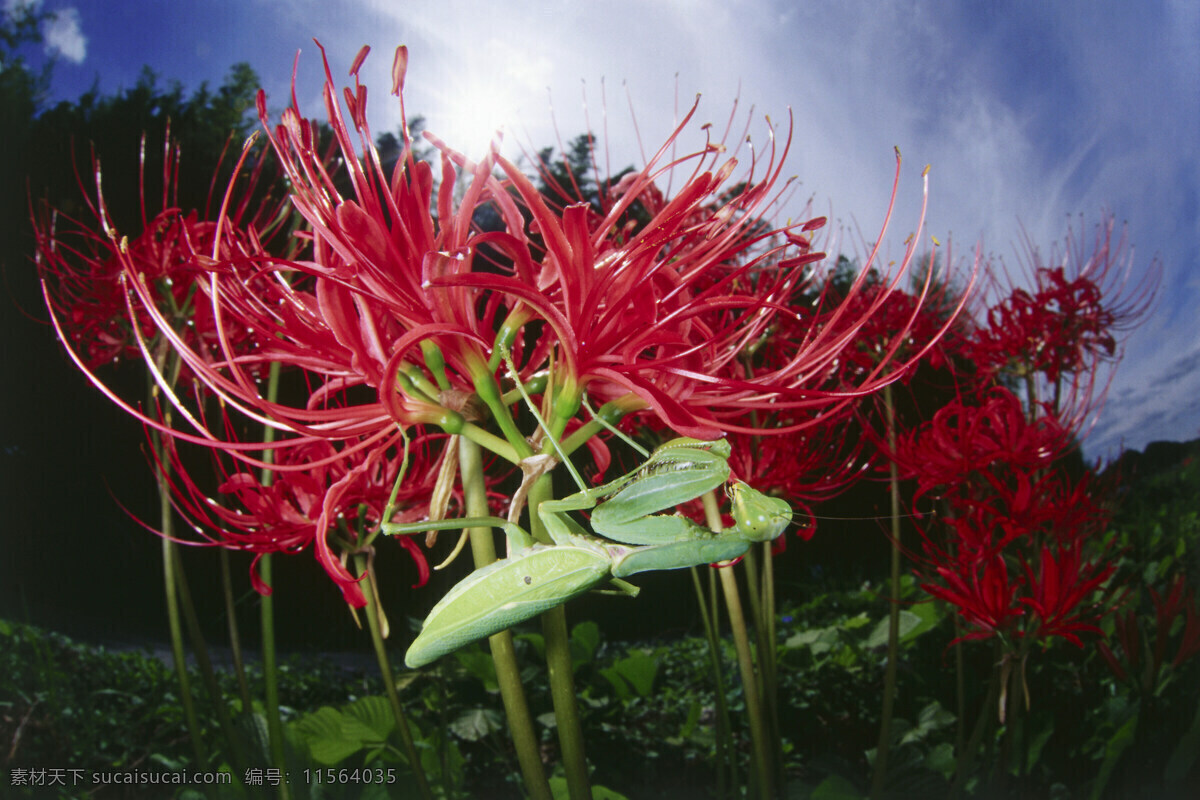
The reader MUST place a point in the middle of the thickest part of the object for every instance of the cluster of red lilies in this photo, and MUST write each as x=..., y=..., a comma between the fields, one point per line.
x=388, y=312
x=365, y=317
x=1019, y=544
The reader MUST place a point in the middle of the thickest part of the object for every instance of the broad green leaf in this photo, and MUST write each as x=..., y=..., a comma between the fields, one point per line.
x=941, y=759
x=558, y=788
x=819, y=641
x=693, y=717
x=931, y=718
x=477, y=724
x=624, y=693
x=639, y=669
x=879, y=635
x=375, y=713
x=1036, y=744
x=536, y=640
x=856, y=622
x=585, y=639
x=1112, y=754
x=480, y=665
x=331, y=735
x=835, y=787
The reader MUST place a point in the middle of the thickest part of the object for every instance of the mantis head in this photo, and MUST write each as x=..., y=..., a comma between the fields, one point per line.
x=759, y=518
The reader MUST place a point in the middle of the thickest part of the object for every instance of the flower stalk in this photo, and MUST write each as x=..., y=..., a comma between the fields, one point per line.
x=725, y=785
x=365, y=571
x=763, y=774
x=879, y=776
x=508, y=673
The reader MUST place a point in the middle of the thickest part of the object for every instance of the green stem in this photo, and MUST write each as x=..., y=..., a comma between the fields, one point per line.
x=966, y=757
x=714, y=651
x=893, y=647
x=769, y=666
x=267, y=614
x=741, y=640
x=235, y=640
x=389, y=678
x=490, y=441
x=758, y=576
x=960, y=689
x=270, y=666
x=714, y=610
x=489, y=392
x=1180, y=763
x=560, y=672
x=237, y=747
x=177, y=653
x=508, y=674
x=170, y=576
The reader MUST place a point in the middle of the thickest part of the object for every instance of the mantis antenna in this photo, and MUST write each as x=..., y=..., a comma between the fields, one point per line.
x=512, y=368
x=390, y=508
x=614, y=430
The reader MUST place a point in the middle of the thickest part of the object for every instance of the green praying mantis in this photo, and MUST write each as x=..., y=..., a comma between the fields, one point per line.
x=630, y=534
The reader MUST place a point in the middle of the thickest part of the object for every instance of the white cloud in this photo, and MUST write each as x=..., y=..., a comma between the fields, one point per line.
x=64, y=36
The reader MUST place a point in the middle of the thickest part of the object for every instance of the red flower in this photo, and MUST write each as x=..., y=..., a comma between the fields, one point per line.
x=84, y=265
x=1063, y=328
x=334, y=496
x=399, y=314
x=982, y=593
x=1129, y=635
x=1060, y=592
x=966, y=439
x=1016, y=531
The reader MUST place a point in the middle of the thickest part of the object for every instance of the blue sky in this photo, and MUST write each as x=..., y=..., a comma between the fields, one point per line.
x=1030, y=113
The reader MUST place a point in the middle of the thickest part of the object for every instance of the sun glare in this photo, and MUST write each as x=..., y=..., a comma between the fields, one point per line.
x=493, y=88
x=473, y=112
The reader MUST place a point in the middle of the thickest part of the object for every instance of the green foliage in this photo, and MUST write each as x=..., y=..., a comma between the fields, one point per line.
x=68, y=705
x=649, y=708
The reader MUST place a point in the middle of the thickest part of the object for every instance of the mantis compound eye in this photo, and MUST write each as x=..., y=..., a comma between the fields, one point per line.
x=759, y=518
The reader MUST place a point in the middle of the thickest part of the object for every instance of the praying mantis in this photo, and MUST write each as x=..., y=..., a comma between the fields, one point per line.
x=630, y=534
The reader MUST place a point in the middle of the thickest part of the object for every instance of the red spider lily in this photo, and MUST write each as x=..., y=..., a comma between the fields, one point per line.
x=968, y=438
x=1000, y=588
x=660, y=315
x=655, y=318
x=1059, y=328
x=1060, y=592
x=1013, y=523
x=350, y=317
x=983, y=594
x=398, y=316
x=1166, y=612
x=1065, y=326
x=1129, y=635
x=935, y=327
x=375, y=254
x=343, y=498
x=82, y=263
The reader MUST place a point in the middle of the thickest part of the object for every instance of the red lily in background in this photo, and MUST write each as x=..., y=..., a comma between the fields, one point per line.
x=1141, y=659
x=1015, y=560
x=1056, y=336
x=342, y=498
x=82, y=263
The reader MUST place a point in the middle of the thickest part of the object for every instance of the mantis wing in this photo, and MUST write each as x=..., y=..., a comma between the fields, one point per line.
x=504, y=593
